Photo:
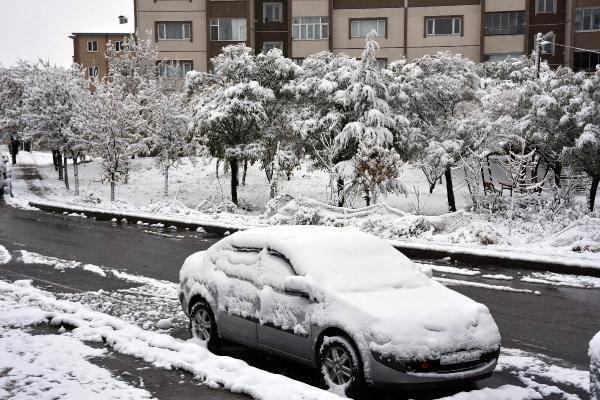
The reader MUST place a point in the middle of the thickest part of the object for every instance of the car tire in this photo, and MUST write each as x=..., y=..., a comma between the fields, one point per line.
x=203, y=326
x=339, y=366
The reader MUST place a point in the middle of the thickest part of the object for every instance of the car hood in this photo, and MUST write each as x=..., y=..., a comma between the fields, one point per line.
x=424, y=322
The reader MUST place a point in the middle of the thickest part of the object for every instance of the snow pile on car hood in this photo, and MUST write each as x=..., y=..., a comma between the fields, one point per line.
x=595, y=367
x=426, y=322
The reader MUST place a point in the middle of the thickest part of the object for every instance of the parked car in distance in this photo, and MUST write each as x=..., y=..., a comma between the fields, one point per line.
x=342, y=301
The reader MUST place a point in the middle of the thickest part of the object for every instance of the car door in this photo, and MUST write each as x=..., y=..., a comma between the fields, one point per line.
x=238, y=294
x=284, y=317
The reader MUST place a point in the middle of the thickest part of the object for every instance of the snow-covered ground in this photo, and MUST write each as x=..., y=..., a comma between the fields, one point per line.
x=198, y=196
x=595, y=367
x=140, y=322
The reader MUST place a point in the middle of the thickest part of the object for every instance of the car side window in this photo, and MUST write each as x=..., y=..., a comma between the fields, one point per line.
x=274, y=268
x=240, y=263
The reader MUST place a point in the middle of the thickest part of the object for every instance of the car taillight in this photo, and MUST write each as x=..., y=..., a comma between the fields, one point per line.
x=424, y=365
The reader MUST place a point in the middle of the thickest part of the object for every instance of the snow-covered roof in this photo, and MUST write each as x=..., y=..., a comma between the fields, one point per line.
x=343, y=259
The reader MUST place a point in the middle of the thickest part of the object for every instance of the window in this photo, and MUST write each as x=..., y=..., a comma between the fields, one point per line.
x=233, y=29
x=298, y=61
x=544, y=6
x=381, y=63
x=505, y=23
x=119, y=46
x=92, y=72
x=174, y=31
x=175, y=69
x=444, y=26
x=359, y=28
x=586, y=61
x=587, y=19
x=548, y=47
x=501, y=56
x=272, y=12
x=267, y=46
x=92, y=46
x=310, y=28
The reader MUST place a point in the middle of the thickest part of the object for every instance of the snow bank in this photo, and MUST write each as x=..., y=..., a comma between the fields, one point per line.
x=5, y=256
x=55, y=366
x=595, y=367
x=162, y=350
x=506, y=392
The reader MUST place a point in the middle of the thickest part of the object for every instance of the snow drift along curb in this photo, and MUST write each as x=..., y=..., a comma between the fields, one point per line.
x=490, y=257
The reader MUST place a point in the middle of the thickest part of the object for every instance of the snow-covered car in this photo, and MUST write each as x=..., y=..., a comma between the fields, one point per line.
x=5, y=176
x=595, y=367
x=342, y=301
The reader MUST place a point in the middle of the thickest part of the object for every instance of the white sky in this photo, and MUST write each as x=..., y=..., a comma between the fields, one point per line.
x=33, y=29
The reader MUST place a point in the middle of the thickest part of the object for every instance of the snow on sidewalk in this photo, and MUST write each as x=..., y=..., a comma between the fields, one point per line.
x=56, y=367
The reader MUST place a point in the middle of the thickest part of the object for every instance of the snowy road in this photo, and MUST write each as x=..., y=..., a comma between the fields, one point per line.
x=84, y=262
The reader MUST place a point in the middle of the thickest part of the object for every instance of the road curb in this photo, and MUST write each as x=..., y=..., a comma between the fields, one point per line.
x=411, y=250
x=99, y=215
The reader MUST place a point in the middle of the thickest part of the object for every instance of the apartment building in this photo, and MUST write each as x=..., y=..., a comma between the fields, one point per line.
x=190, y=32
x=89, y=51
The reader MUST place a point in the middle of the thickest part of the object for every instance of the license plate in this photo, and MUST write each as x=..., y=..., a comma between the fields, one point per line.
x=460, y=357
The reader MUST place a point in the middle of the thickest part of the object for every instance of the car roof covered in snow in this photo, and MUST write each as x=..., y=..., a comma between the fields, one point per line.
x=342, y=259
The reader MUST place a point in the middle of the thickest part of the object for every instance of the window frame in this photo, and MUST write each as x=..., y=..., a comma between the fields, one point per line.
x=118, y=45
x=315, y=25
x=210, y=25
x=460, y=18
x=537, y=9
x=95, y=73
x=385, y=26
x=272, y=4
x=94, y=43
x=182, y=23
x=272, y=42
x=592, y=8
x=592, y=68
x=168, y=63
x=520, y=29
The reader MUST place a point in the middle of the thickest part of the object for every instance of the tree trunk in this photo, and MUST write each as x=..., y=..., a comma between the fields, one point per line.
x=367, y=197
x=245, y=172
x=76, y=176
x=557, y=172
x=60, y=166
x=14, y=150
x=55, y=159
x=450, y=190
x=593, y=190
x=432, y=186
x=112, y=191
x=65, y=165
x=217, y=168
x=340, y=192
x=166, y=186
x=234, y=179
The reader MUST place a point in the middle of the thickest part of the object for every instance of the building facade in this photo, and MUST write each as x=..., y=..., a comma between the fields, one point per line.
x=190, y=32
x=89, y=50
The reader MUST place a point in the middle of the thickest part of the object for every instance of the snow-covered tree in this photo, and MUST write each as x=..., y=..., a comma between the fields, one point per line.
x=585, y=157
x=442, y=93
x=108, y=123
x=229, y=108
x=135, y=63
x=13, y=82
x=167, y=122
x=320, y=118
x=52, y=103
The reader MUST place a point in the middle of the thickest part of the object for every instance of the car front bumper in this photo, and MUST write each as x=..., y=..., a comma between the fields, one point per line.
x=381, y=375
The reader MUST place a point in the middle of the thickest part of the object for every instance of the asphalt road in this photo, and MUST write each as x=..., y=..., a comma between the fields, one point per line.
x=559, y=323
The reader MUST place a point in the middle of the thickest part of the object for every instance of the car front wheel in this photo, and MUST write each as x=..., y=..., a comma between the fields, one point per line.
x=203, y=326
x=339, y=365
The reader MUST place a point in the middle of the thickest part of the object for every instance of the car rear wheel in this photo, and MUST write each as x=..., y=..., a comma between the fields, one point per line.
x=339, y=365
x=203, y=326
